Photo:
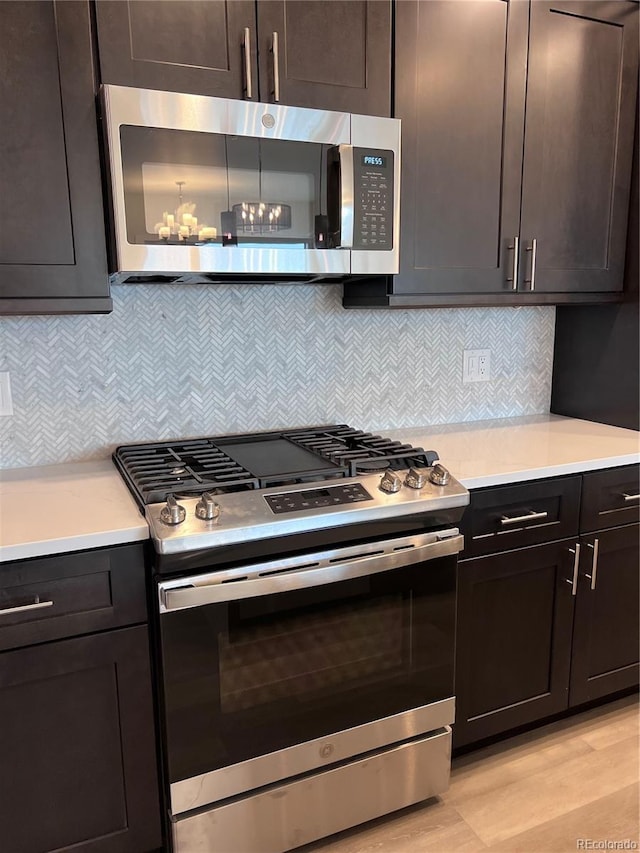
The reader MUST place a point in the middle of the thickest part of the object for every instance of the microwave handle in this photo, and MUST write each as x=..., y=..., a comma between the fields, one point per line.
x=340, y=206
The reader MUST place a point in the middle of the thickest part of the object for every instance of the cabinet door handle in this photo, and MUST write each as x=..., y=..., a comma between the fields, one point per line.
x=514, y=269
x=630, y=497
x=576, y=561
x=594, y=562
x=517, y=519
x=276, y=67
x=37, y=605
x=248, y=90
x=533, y=248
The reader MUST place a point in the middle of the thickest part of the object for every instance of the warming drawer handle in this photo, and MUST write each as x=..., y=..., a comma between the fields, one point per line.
x=630, y=497
x=518, y=519
x=37, y=605
x=197, y=592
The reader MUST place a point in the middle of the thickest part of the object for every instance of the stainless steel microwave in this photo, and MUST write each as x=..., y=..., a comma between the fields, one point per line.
x=210, y=189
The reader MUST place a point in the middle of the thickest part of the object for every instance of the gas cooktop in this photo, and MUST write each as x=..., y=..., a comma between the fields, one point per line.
x=215, y=491
x=232, y=463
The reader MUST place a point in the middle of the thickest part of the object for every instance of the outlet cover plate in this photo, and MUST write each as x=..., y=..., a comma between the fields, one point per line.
x=476, y=365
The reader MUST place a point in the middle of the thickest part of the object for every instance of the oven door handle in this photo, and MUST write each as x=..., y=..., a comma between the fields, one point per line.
x=312, y=570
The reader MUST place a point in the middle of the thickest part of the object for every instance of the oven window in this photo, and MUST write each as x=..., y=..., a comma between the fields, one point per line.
x=192, y=189
x=249, y=677
x=307, y=653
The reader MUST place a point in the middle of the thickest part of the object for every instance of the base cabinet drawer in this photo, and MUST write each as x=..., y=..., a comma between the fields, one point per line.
x=70, y=594
x=507, y=517
x=610, y=498
x=78, y=767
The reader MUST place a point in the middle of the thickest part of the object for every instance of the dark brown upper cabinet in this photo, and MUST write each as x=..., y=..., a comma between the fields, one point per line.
x=52, y=236
x=517, y=142
x=306, y=53
x=578, y=145
x=203, y=47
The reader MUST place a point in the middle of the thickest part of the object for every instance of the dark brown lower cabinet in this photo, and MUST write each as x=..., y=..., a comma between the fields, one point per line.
x=513, y=656
x=78, y=767
x=606, y=635
x=527, y=647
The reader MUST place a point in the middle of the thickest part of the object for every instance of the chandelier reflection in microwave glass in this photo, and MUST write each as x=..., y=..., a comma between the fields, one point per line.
x=183, y=223
x=207, y=194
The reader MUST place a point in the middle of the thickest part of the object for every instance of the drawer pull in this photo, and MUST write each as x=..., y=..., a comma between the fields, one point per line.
x=630, y=497
x=576, y=562
x=518, y=519
x=594, y=562
x=37, y=605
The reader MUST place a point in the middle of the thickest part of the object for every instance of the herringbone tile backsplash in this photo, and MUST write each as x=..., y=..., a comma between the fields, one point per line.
x=179, y=361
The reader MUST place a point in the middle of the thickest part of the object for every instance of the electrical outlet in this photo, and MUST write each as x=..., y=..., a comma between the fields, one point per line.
x=6, y=404
x=476, y=365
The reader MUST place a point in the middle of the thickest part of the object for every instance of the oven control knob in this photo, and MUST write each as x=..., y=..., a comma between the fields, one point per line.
x=390, y=482
x=172, y=512
x=415, y=479
x=207, y=508
x=439, y=475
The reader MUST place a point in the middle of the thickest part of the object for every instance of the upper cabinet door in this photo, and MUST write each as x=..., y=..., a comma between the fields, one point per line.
x=194, y=46
x=326, y=55
x=334, y=56
x=52, y=240
x=582, y=78
x=460, y=89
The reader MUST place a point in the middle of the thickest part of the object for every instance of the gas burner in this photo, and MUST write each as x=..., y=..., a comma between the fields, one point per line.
x=369, y=466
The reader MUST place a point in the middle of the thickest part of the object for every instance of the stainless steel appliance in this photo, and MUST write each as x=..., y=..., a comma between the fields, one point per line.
x=305, y=585
x=208, y=189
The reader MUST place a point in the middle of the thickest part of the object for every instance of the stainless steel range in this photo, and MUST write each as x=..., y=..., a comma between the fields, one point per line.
x=305, y=582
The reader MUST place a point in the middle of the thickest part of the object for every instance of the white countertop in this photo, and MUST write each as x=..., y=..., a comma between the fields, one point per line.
x=71, y=507
x=58, y=508
x=510, y=450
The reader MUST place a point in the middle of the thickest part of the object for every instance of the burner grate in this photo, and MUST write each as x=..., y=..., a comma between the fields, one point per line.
x=154, y=471
x=363, y=452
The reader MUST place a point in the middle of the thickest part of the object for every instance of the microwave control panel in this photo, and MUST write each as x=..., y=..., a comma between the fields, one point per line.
x=373, y=199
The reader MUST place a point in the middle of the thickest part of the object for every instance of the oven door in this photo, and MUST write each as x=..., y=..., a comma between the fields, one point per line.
x=277, y=668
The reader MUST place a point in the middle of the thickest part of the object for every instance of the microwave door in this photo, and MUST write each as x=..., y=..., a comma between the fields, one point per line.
x=205, y=188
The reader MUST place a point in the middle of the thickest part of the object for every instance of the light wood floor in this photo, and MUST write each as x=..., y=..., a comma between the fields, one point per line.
x=539, y=792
